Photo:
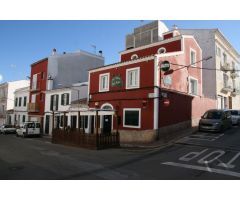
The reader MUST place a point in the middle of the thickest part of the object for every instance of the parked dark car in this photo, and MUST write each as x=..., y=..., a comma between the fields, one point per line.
x=4, y=129
x=215, y=120
x=235, y=117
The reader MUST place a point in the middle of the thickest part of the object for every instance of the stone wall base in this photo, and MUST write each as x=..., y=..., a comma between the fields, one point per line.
x=165, y=133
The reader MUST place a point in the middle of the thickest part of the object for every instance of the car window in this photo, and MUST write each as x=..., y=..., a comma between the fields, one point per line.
x=234, y=112
x=37, y=125
x=31, y=125
x=213, y=115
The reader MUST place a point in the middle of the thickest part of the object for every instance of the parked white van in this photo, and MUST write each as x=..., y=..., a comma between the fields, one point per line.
x=29, y=128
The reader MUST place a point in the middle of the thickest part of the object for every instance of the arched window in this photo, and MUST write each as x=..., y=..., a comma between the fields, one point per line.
x=107, y=106
x=134, y=56
x=161, y=50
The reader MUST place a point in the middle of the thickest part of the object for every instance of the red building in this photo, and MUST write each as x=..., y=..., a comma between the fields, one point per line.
x=149, y=101
x=38, y=86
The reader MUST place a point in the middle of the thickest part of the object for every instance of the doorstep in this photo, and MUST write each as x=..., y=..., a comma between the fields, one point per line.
x=161, y=143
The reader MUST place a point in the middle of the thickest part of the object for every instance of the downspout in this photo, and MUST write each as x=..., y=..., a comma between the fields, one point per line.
x=156, y=95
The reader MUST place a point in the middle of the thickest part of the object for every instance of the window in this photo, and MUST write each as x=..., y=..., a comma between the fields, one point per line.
x=224, y=58
x=225, y=80
x=65, y=99
x=132, y=117
x=193, y=57
x=34, y=82
x=23, y=118
x=161, y=50
x=54, y=102
x=132, y=80
x=193, y=86
x=218, y=51
x=20, y=101
x=25, y=101
x=134, y=56
x=16, y=102
x=104, y=82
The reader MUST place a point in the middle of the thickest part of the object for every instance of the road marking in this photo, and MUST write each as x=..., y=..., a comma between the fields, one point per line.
x=203, y=137
x=207, y=169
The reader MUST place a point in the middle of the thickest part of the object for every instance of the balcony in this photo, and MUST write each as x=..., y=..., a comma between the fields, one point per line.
x=235, y=92
x=33, y=107
x=227, y=88
x=234, y=75
x=226, y=67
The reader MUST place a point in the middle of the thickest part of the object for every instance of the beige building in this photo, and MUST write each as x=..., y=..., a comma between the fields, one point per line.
x=221, y=79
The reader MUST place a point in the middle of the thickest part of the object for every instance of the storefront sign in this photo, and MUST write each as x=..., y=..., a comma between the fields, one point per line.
x=116, y=81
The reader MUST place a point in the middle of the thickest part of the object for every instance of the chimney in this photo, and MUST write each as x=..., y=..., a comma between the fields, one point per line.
x=54, y=51
x=175, y=27
x=100, y=53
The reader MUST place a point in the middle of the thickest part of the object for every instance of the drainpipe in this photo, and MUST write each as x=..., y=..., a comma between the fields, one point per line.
x=156, y=95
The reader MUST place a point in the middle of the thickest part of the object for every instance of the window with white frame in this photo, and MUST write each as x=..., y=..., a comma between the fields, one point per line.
x=132, y=78
x=224, y=58
x=104, y=82
x=218, y=51
x=65, y=99
x=193, y=57
x=132, y=117
x=193, y=86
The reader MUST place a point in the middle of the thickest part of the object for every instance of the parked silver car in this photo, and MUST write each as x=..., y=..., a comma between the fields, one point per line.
x=215, y=120
x=235, y=117
x=4, y=129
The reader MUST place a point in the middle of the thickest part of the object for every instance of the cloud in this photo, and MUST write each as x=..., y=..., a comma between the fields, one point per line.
x=13, y=66
x=1, y=77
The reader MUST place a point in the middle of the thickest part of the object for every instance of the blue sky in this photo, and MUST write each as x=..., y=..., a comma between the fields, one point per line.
x=24, y=42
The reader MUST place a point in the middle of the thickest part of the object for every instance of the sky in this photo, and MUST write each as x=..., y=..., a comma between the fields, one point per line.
x=24, y=42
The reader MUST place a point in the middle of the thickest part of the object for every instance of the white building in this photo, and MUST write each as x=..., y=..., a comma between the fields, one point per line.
x=7, y=99
x=66, y=99
x=21, y=97
x=221, y=81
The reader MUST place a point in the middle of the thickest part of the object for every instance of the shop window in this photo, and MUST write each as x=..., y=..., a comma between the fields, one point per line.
x=132, y=117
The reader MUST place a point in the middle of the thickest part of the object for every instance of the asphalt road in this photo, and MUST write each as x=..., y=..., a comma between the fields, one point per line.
x=200, y=156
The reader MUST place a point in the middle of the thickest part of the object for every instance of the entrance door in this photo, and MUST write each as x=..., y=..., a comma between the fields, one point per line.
x=47, y=124
x=107, y=124
x=74, y=122
x=92, y=124
x=230, y=102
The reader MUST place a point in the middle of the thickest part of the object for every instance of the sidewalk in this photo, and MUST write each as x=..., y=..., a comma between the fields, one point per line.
x=161, y=143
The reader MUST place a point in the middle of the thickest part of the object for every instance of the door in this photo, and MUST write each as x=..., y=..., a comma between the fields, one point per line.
x=47, y=124
x=230, y=102
x=74, y=122
x=92, y=124
x=107, y=124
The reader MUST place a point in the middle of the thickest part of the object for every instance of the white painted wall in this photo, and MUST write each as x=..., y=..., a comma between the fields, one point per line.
x=21, y=111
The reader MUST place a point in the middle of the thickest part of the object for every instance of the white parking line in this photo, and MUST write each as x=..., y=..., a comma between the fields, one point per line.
x=207, y=169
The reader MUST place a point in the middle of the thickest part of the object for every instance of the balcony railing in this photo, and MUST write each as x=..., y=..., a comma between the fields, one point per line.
x=33, y=107
x=227, y=88
x=226, y=67
x=234, y=75
x=235, y=92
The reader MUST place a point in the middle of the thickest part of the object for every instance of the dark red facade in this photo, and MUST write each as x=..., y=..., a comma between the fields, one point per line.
x=154, y=114
x=36, y=109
